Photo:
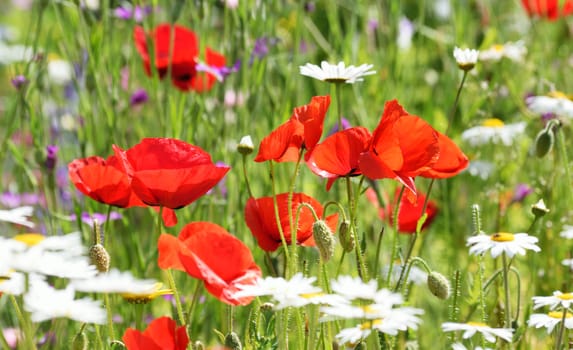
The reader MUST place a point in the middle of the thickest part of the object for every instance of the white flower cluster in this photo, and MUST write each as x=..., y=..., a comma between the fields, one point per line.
x=351, y=298
x=559, y=304
x=26, y=260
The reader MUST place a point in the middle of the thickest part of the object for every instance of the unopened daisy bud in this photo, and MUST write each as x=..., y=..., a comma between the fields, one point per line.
x=80, y=341
x=544, y=142
x=99, y=257
x=539, y=209
x=346, y=238
x=233, y=342
x=245, y=146
x=267, y=306
x=198, y=346
x=466, y=58
x=324, y=240
x=439, y=285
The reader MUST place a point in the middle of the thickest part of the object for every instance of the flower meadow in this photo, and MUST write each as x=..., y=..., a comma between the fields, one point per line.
x=286, y=175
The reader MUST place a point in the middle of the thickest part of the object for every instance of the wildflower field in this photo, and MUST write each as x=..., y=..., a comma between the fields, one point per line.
x=250, y=174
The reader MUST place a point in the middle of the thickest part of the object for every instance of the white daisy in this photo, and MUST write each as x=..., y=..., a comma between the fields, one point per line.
x=417, y=276
x=514, y=51
x=114, y=281
x=19, y=216
x=460, y=346
x=337, y=73
x=14, y=283
x=296, y=292
x=503, y=242
x=471, y=328
x=395, y=320
x=566, y=232
x=246, y=146
x=45, y=303
x=352, y=288
x=406, y=31
x=480, y=168
x=557, y=299
x=550, y=320
x=60, y=72
x=494, y=131
x=466, y=58
x=556, y=102
x=568, y=263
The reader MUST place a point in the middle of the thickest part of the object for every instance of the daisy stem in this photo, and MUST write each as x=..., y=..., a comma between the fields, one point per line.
x=506, y=290
x=361, y=266
x=277, y=215
x=109, y=316
x=338, y=105
x=25, y=324
x=559, y=339
x=138, y=317
x=246, y=177
x=565, y=160
x=456, y=101
x=395, y=238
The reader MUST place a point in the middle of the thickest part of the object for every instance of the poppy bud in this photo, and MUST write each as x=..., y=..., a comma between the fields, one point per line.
x=116, y=344
x=245, y=146
x=323, y=239
x=233, y=342
x=544, y=142
x=99, y=257
x=80, y=341
x=346, y=238
x=439, y=285
x=267, y=306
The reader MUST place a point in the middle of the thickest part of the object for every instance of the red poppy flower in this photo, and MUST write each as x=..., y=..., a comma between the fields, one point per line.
x=260, y=218
x=183, y=61
x=402, y=147
x=551, y=9
x=409, y=213
x=161, y=334
x=168, y=172
x=451, y=160
x=208, y=252
x=338, y=155
x=104, y=181
x=303, y=129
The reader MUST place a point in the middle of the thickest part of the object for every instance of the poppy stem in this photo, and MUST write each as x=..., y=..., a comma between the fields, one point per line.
x=277, y=215
x=351, y=204
x=176, y=296
x=559, y=339
x=395, y=239
x=292, y=226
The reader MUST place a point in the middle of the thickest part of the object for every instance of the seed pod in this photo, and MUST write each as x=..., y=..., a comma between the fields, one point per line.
x=99, y=257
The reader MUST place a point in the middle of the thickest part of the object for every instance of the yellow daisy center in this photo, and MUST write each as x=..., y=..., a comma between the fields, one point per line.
x=370, y=324
x=559, y=314
x=493, y=123
x=29, y=239
x=502, y=237
x=565, y=296
x=476, y=324
x=311, y=295
x=557, y=94
x=144, y=298
x=497, y=47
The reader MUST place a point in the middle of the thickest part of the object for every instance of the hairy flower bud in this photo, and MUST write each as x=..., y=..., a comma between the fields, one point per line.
x=99, y=257
x=324, y=240
x=233, y=342
x=345, y=236
x=439, y=285
x=80, y=341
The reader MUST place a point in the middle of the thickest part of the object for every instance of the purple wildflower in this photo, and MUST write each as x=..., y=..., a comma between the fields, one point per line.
x=345, y=125
x=19, y=82
x=51, y=157
x=138, y=97
x=309, y=6
x=138, y=13
x=89, y=219
x=14, y=200
x=261, y=48
x=521, y=191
